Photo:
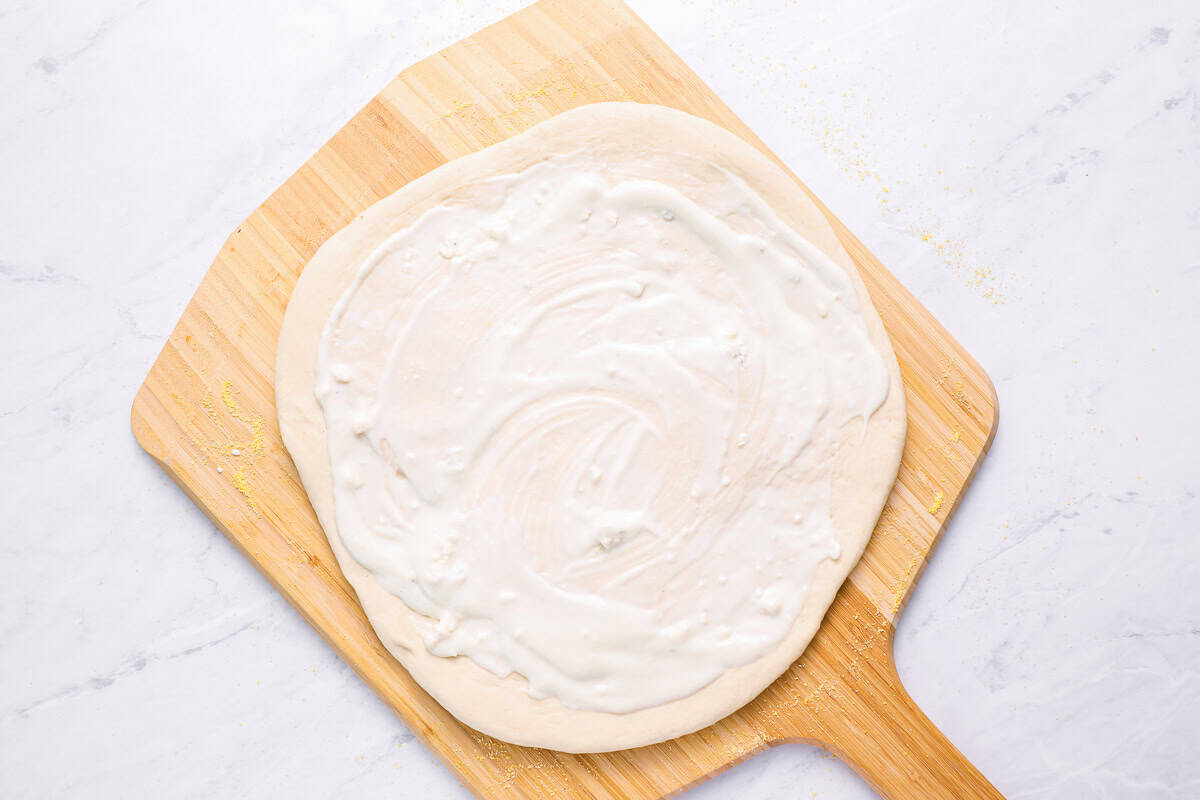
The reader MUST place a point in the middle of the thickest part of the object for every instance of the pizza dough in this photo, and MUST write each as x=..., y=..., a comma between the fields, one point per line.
x=596, y=421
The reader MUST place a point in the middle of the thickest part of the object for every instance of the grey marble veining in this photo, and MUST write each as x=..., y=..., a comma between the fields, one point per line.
x=1030, y=171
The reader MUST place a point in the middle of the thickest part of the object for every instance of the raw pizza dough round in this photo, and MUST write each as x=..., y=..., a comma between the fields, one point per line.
x=864, y=466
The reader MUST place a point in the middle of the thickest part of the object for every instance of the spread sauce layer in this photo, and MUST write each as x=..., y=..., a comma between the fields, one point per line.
x=583, y=423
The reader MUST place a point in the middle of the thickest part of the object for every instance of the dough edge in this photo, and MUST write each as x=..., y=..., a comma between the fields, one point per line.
x=865, y=466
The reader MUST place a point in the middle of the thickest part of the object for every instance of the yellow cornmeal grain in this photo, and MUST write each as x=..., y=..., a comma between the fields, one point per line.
x=960, y=396
x=524, y=100
x=256, y=424
x=242, y=484
x=900, y=587
x=199, y=433
x=936, y=505
x=944, y=368
x=206, y=405
x=949, y=450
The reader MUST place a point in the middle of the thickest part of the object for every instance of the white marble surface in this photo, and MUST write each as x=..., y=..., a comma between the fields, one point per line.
x=1031, y=171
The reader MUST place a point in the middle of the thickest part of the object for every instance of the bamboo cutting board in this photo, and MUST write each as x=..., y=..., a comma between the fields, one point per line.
x=206, y=414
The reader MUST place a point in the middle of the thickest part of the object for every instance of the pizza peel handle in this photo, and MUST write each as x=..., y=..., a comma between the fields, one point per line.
x=864, y=716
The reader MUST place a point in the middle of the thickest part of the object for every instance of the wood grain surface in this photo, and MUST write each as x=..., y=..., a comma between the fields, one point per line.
x=206, y=414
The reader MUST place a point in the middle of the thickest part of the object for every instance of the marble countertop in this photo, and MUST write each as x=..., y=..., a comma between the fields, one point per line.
x=1031, y=171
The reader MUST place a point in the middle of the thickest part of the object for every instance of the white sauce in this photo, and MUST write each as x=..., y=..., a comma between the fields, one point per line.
x=584, y=426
